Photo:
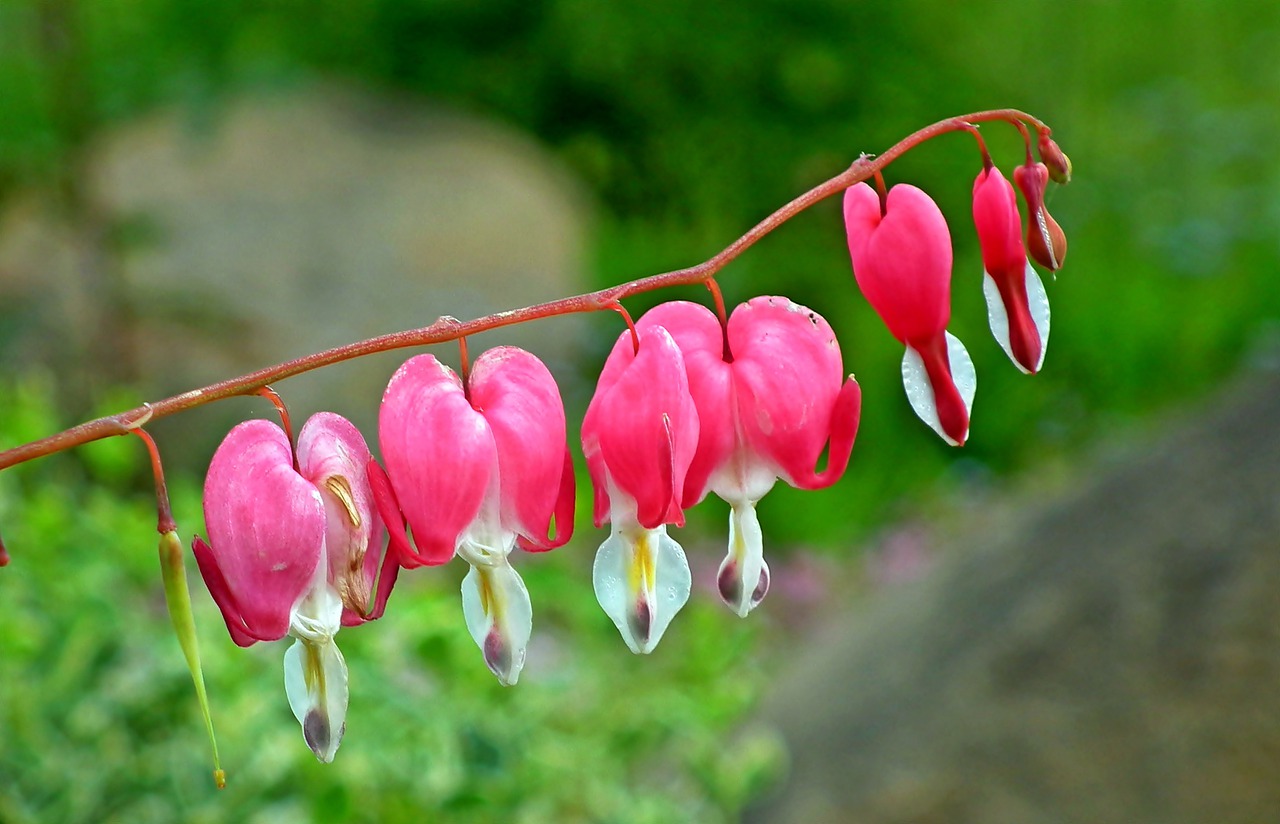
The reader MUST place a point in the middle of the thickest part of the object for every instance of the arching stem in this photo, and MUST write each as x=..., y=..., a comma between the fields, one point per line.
x=448, y=328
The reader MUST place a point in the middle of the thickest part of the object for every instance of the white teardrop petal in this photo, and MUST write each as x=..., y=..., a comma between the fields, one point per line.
x=1037, y=304
x=920, y=394
x=315, y=682
x=915, y=380
x=743, y=578
x=642, y=580
x=962, y=371
x=998, y=317
x=673, y=582
x=1038, y=300
x=499, y=616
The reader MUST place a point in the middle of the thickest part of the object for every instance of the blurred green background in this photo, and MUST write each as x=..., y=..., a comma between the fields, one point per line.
x=687, y=123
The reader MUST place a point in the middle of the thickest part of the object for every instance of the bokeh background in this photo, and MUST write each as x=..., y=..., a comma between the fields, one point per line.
x=193, y=189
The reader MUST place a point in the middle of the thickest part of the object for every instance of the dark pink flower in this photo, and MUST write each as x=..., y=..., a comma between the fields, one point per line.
x=1017, y=304
x=639, y=436
x=902, y=261
x=295, y=548
x=771, y=394
x=477, y=471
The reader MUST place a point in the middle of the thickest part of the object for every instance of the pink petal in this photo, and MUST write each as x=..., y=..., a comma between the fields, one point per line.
x=1014, y=322
x=439, y=453
x=995, y=216
x=787, y=374
x=600, y=501
x=332, y=454
x=266, y=527
x=386, y=580
x=221, y=593
x=901, y=260
x=644, y=426
x=521, y=403
x=697, y=333
x=398, y=547
x=566, y=502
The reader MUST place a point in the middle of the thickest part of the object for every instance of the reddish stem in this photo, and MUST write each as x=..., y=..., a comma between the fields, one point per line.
x=464, y=368
x=1026, y=138
x=718, y=299
x=626, y=318
x=164, y=515
x=448, y=328
x=283, y=410
x=285, y=421
x=987, y=163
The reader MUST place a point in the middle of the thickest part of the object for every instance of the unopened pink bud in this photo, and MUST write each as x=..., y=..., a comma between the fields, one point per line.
x=1054, y=159
x=1046, y=242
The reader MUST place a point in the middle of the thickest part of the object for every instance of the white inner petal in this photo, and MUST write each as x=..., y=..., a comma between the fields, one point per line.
x=915, y=380
x=743, y=579
x=962, y=371
x=499, y=616
x=315, y=682
x=1038, y=300
x=998, y=317
x=641, y=579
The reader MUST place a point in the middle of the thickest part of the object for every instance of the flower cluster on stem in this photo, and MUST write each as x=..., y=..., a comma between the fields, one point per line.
x=307, y=537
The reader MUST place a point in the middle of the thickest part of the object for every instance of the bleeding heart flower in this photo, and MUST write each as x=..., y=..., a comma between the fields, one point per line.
x=639, y=436
x=294, y=548
x=1017, y=304
x=770, y=394
x=477, y=470
x=901, y=254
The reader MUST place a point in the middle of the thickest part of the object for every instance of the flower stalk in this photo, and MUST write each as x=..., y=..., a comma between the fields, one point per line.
x=177, y=597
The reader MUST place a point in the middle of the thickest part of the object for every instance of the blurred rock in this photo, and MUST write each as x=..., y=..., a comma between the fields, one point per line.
x=281, y=225
x=1111, y=658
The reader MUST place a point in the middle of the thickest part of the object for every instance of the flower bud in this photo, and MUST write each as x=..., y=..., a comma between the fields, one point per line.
x=1046, y=242
x=178, y=599
x=1054, y=159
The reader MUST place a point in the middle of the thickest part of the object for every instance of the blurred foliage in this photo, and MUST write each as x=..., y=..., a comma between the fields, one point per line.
x=98, y=720
x=690, y=121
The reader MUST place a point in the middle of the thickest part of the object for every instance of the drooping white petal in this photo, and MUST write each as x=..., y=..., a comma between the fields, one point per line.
x=1038, y=300
x=641, y=580
x=315, y=681
x=499, y=616
x=915, y=380
x=920, y=389
x=962, y=371
x=315, y=675
x=743, y=579
x=998, y=317
x=318, y=616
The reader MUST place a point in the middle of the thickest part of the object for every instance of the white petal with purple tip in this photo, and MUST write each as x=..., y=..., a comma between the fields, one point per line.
x=315, y=682
x=743, y=578
x=641, y=579
x=499, y=615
